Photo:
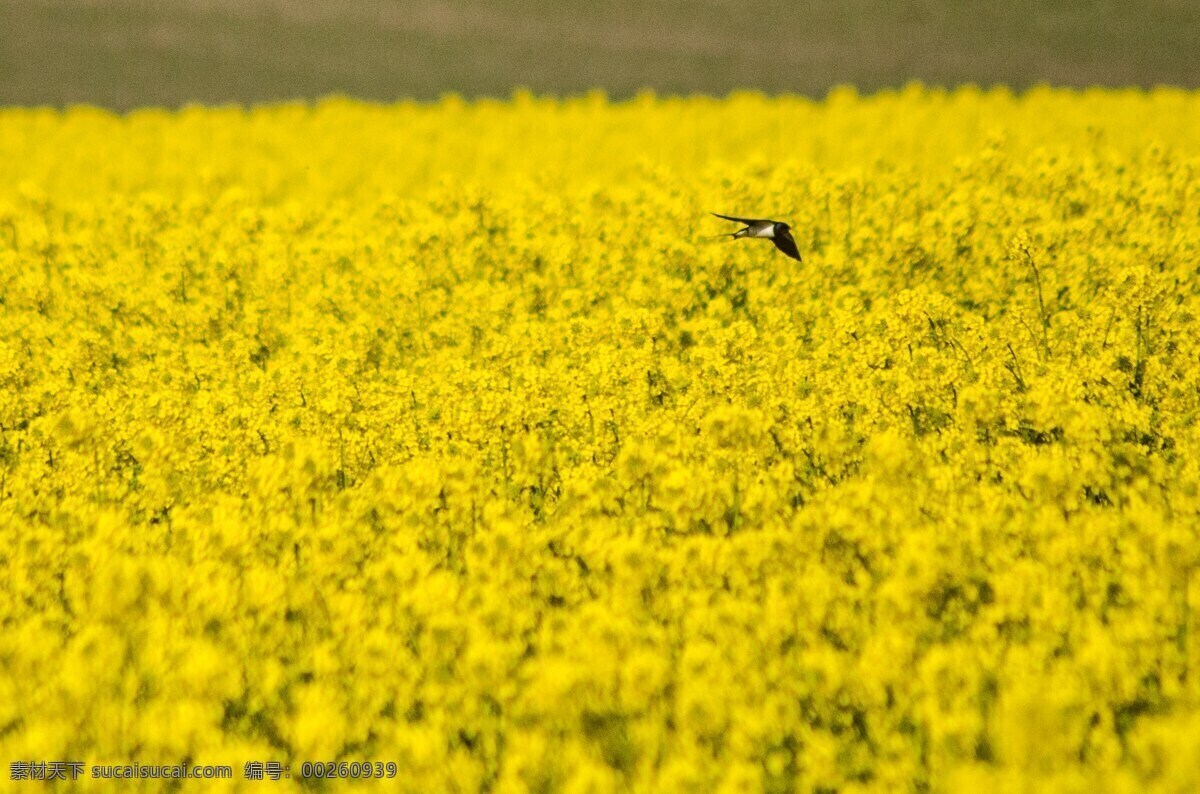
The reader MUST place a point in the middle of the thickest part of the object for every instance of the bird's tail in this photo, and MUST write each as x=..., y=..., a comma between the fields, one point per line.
x=730, y=235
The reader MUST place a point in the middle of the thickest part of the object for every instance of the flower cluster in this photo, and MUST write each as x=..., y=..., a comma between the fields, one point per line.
x=440, y=435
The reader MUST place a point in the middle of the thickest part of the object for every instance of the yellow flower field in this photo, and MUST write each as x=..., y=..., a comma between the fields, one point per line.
x=440, y=435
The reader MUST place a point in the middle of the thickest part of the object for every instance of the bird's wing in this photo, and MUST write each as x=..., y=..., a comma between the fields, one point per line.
x=786, y=243
x=747, y=221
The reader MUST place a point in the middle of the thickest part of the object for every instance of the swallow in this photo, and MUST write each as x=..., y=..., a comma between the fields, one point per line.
x=777, y=232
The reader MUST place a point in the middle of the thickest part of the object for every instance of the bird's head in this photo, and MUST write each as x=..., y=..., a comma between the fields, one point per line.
x=781, y=227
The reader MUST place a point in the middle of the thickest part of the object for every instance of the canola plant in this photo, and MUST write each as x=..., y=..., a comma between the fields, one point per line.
x=443, y=436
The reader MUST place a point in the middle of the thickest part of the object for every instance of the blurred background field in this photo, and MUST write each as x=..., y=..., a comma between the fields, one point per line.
x=128, y=53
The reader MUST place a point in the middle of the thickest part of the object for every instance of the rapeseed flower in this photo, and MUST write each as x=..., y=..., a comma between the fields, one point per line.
x=438, y=435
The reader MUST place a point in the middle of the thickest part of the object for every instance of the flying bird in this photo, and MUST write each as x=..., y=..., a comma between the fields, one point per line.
x=777, y=232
